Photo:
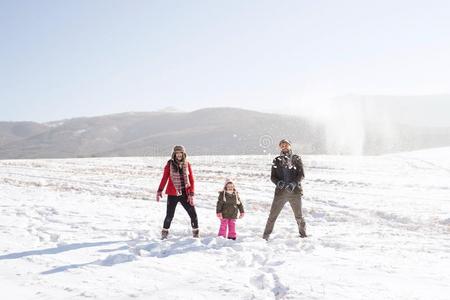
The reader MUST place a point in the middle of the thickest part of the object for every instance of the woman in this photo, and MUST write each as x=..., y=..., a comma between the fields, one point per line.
x=180, y=188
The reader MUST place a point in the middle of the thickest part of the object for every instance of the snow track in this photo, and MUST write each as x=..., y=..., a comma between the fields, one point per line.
x=83, y=228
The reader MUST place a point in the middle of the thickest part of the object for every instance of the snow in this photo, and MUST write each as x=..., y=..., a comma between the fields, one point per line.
x=89, y=228
x=54, y=124
x=79, y=132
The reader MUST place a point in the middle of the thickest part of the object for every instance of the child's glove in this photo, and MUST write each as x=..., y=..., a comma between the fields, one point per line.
x=158, y=196
x=241, y=215
x=219, y=215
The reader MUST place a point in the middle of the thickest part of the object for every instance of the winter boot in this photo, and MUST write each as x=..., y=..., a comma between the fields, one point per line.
x=164, y=233
x=266, y=237
x=302, y=229
x=195, y=233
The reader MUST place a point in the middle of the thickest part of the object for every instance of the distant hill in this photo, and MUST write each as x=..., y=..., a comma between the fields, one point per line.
x=210, y=131
x=15, y=131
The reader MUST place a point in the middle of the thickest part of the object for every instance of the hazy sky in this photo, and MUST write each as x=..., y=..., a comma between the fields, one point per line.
x=61, y=59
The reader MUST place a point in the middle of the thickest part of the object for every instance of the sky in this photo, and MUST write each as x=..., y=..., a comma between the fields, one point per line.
x=63, y=59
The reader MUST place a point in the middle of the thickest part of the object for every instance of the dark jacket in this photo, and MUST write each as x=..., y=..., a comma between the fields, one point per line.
x=230, y=207
x=292, y=175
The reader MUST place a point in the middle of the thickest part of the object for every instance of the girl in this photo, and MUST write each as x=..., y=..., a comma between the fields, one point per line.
x=228, y=206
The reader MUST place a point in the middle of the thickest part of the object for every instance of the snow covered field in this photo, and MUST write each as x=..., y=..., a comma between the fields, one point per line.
x=89, y=228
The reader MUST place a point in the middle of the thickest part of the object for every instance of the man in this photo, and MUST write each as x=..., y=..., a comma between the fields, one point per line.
x=287, y=174
x=180, y=188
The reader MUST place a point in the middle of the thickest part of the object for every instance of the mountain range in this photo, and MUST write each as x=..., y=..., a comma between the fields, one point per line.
x=210, y=131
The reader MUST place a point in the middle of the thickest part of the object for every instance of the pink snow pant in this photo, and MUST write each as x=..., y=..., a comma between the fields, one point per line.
x=231, y=224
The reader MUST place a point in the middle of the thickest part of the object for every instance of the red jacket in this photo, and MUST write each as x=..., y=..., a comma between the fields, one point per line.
x=170, y=190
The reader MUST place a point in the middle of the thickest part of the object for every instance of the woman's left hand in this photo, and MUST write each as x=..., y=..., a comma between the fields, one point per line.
x=190, y=200
x=241, y=215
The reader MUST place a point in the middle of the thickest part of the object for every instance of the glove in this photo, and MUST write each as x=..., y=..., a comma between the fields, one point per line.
x=241, y=215
x=158, y=196
x=291, y=187
x=190, y=200
x=281, y=184
x=219, y=215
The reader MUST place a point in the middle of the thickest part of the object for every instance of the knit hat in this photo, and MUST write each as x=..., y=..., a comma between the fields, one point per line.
x=227, y=181
x=284, y=141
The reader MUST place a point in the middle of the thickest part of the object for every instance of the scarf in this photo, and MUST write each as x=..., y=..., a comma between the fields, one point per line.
x=176, y=176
